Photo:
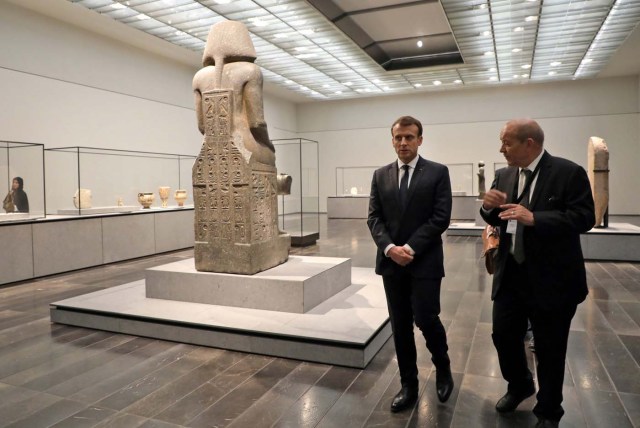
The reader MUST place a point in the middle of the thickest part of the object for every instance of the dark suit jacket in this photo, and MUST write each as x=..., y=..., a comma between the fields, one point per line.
x=563, y=208
x=420, y=225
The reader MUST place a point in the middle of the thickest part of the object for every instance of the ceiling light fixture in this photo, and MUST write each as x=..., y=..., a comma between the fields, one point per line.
x=531, y=18
x=437, y=82
x=419, y=43
x=516, y=50
x=526, y=66
x=555, y=63
x=518, y=29
x=418, y=85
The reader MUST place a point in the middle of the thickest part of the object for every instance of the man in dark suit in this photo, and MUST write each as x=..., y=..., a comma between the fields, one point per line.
x=409, y=209
x=542, y=204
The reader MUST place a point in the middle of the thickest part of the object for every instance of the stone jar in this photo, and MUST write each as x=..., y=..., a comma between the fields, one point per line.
x=146, y=199
x=180, y=196
x=164, y=192
x=82, y=199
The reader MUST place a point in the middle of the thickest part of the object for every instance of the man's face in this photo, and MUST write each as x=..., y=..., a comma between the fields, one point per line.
x=406, y=142
x=515, y=151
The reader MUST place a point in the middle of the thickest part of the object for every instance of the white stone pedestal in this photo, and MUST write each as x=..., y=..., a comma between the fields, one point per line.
x=296, y=286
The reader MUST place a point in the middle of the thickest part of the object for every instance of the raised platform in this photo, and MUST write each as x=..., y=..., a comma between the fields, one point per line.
x=13, y=216
x=618, y=242
x=347, y=329
x=297, y=286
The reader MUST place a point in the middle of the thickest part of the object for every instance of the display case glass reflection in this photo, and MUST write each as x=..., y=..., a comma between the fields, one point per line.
x=22, y=181
x=86, y=180
x=461, y=175
x=354, y=180
x=299, y=211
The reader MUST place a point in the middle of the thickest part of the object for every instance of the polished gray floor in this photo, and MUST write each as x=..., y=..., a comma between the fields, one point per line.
x=54, y=375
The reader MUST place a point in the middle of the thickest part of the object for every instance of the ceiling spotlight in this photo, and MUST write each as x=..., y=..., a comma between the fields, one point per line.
x=347, y=83
x=118, y=6
x=526, y=66
x=516, y=50
x=338, y=92
x=488, y=53
x=515, y=76
x=288, y=82
x=492, y=69
x=457, y=81
x=531, y=18
x=325, y=85
x=493, y=78
x=376, y=80
x=555, y=63
x=518, y=29
x=437, y=82
x=142, y=17
x=525, y=75
x=552, y=73
x=586, y=60
x=417, y=85
x=419, y=43
x=486, y=33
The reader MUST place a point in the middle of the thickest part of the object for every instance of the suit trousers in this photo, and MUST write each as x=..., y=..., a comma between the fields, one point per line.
x=513, y=306
x=415, y=299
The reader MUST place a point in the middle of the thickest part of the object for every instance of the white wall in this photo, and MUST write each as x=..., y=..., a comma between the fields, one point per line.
x=463, y=126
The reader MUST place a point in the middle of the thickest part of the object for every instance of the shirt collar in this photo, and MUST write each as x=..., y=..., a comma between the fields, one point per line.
x=534, y=164
x=412, y=164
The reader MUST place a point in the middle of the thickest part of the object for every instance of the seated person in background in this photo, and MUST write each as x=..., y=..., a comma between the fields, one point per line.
x=17, y=197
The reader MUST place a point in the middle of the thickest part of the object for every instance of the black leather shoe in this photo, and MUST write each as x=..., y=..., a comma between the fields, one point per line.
x=512, y=400
x=444, y=383
x=404, y=399
x=547, y=423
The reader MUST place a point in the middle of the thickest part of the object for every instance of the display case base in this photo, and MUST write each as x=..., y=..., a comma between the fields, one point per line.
x=618, y=242
x=98, y=210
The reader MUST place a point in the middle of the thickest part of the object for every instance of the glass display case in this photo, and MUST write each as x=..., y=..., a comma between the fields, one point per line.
x=86, y=180
x=462, y=179
x=354, y=180
x=298, y=212
x=22, y=163
x=499, y=165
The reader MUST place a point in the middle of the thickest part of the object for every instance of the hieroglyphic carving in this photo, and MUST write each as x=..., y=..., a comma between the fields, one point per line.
x=234, y=176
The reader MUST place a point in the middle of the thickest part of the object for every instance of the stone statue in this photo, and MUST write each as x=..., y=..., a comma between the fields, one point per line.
x=234, y=176
x=598, y=171
x=482, y=188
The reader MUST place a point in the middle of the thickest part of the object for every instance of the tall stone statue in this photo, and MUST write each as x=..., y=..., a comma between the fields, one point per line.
x=482, y=187
x=234, y=176
x=598, y=171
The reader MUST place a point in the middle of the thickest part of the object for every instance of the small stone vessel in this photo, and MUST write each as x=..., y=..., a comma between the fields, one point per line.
x=180, y=196
x=82, y=199
x=146, y=199
x=164, y=192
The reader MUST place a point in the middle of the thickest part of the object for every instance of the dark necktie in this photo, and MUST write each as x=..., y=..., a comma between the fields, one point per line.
x=404, y=186
x=518, y=248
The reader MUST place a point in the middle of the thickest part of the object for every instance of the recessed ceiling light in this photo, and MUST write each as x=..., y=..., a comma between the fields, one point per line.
x=457, y=81
x=486, y=33
x=288, y=82
x=492, y=69
x=338, y=92
x=516, y=50
x=142, y=16
x=531, y=18
x=376, y=80
x=418, y=85
x=307, y=31
x=525, y=75
x=525, y=66
x=488, y=53
x=493, y=78
x=325, y=85
x=419, y=43
x=347, y=83
x=118, y=6
x=555, y=63
x=515, y=76
x=517, y=29
x=587, y=60
x=437, y=82
x=552, y=73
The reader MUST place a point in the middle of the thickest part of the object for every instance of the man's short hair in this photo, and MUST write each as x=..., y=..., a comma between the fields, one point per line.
x=529, y=128
x=408, y=121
